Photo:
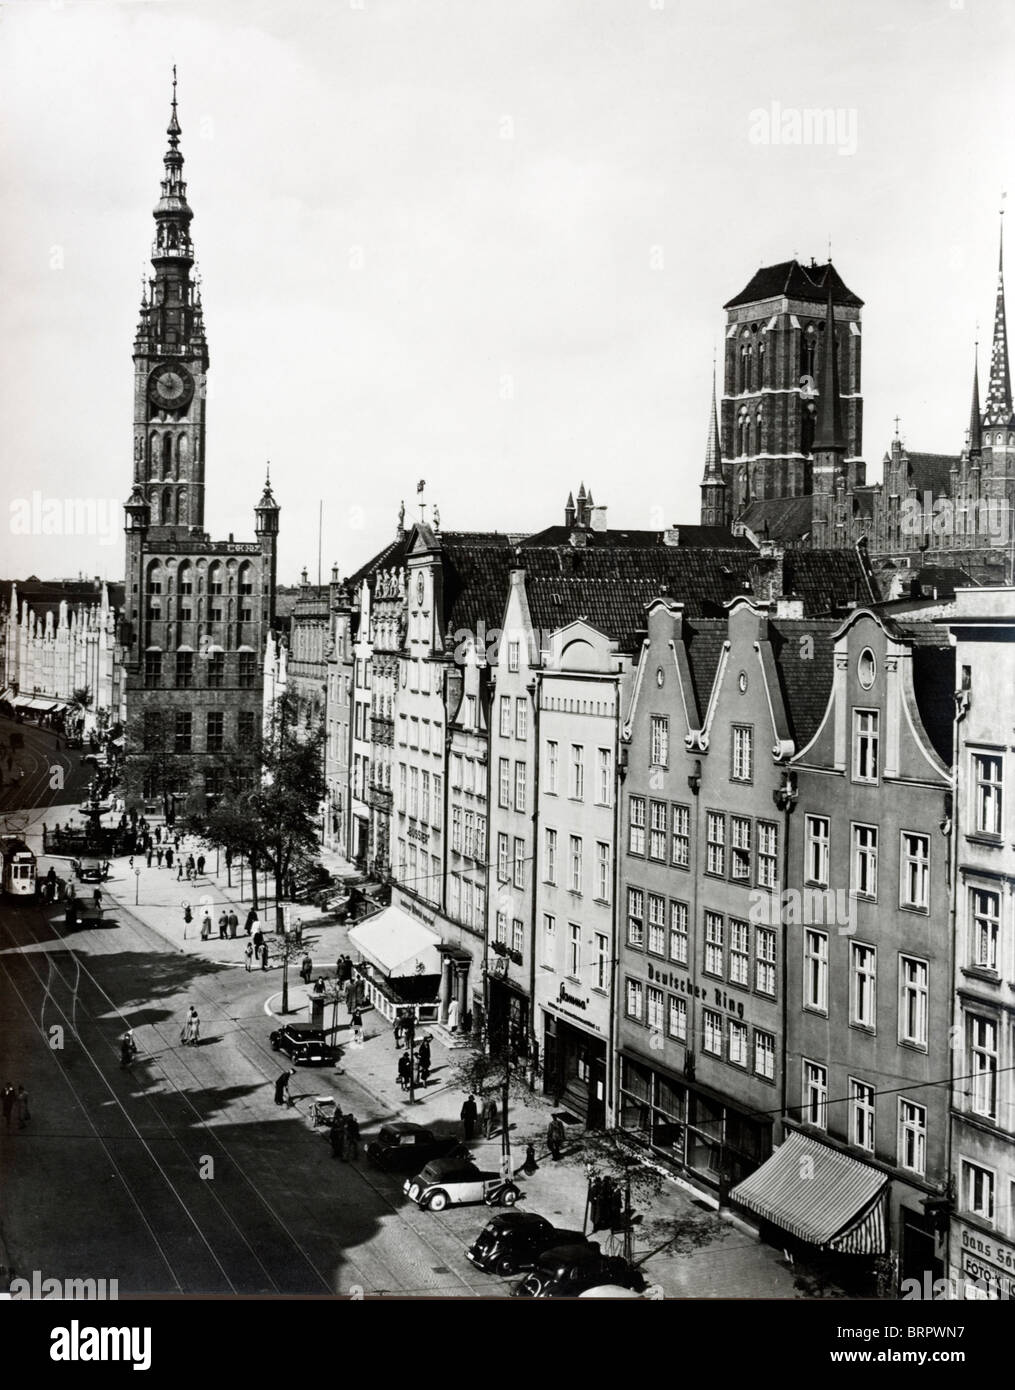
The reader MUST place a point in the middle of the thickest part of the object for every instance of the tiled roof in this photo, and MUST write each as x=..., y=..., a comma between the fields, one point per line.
x=794, y=281
x=932, y=472
x=803, y=657
x=392, y=556
x=943, y=580
x=934, y=682
x=785, y=519
x=827, y=580
x=476, y=570
x=704, y=640
x=690, y=537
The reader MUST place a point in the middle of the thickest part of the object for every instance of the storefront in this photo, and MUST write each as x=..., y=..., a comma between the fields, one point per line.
x=574, y=1057
x=690, y=1125
x=508, y=1011
x=400, y=963
x=982, y=1266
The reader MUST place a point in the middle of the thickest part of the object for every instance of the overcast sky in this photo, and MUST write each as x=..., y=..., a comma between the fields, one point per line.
x=482, y=242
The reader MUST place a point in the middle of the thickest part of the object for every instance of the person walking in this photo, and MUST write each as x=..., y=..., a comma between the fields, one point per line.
x=350, y=1148
x=282, y=1096
x=128, y=1049
x=423, y=1054
x=206, y=926
x=234, y=922
x=158, y=855
x=248, y=956
x=192, y=1028
x=97, y=900
x=200, y=864
x=251, y=921
x=489, y=1117
x=469, y=1113
x=258, y=940
x=148, y=856
x=264, y=956
x=555, y=1136
x=9, y=1095
x=357, y=1028
x=223, y=925
x=404, y=1070
x=158, y=834
x=191, y=866
x=169, y=858
x=188, y=917
x=336, y=1133
x=23, y=1115
x=306, y=969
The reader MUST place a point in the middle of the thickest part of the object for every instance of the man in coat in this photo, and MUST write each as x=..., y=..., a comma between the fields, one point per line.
x=555, y=1137
x=469, y=1113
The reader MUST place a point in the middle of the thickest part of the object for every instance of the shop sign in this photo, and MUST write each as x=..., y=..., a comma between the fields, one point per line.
x=572, y=1005
x=989, y=1262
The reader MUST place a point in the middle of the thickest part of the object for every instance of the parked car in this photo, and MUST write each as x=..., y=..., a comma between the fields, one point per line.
x=408, y=1148
x=568, y=1270
x=449, y=1182
x=301, y=1043
x=611, y=1291
x=511, y=1241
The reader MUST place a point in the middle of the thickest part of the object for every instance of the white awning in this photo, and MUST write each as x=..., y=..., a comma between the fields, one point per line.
x=397, y=944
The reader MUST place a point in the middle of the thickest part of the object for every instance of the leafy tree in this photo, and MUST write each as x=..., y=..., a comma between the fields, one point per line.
x=152, y=766
x=609, y=1153
x=82, y=697
x=499, y=1071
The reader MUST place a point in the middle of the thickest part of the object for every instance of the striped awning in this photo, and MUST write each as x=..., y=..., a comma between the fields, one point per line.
x=819, y=1195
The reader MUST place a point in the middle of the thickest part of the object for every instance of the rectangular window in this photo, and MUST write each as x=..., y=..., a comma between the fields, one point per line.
x=456, y=827
x=425, y=810
x=865, y=745
x=983, y=1066
x=414, y=795
x=736, y=1043
x=912, y=1136
x=245, y=726
x=657, y=830
x=551, y=766
x=604, y=777
x=914, y=871
x=247, y=669
x=740, y=848
x=816, y=847
x=216, y=670
x=503, y=872
x=505, y=716
x=413, y=731
x=454, y=894
x=676, y=1018
x=635, y=994
x=603, y=866
x=480, y=840
x=742, y=753
x=513, y=648
x=740, y=952
x=574, y=949
x=861, y=1114
x=456, y=768
x=657, y=924
x=215, y=734
x=815, y=1094
x=152, y=669
x=768, y=854
x=714, y=944
x=636, y=812
x=577, y=776
x=715, y=839
x=865, y=861
x=438, y=807
x=403, y=782
x=549, y=940
x=403, y=727
x=913, y=1001
x=635, y=917
x=988, y=792
x=602, y=963
x=711, y=1032
x=862, y=985
x=518, y=875
x=978, y=1190
x=501, y=929
x=680, y=844
x=678, y=933
x=520, y=771
x=550, y=873
x=152, y=738
x=575, y=877
x=986, y=921
x=521, y=717
x=517, y=935
x=504, y=783
x=184, y=669
x=764, y=960
x=659, y=738
x=816, y=970
x=184, y=722
x=764, y=1054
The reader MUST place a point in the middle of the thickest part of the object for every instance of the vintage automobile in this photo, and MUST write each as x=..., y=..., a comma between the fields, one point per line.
x=568, y=1270
x=449, y=1182
x=408, y=1148
x=303, y=1044
x=91, y=870
x=512, y=1241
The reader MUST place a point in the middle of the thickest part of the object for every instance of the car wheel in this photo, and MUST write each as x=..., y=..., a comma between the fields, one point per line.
x=274, y=1044
x=506, y=1267
x=509, y=1197
x=437, y=1202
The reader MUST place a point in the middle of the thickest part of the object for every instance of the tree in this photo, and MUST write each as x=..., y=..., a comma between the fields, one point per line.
x=500, y=1071
x=609, y=1154
x=152, y=766
x=82, y=697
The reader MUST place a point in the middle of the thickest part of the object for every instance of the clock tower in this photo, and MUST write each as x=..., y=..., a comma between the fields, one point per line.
x=171, y=361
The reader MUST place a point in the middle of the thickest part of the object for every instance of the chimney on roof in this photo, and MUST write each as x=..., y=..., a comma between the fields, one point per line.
x=569, y=511
x=767, y=573
x=671, y=536
x=597, y=521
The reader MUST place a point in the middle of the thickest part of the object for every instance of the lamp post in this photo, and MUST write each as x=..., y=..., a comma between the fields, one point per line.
x=137, y=885
x=410, y=1032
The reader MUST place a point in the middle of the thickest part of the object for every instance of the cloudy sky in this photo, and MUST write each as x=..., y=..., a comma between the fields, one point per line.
x=480, y=242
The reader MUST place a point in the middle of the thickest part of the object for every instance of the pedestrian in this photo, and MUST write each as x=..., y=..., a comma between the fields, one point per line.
x=306, y=969
x=188, y=917
x=489, y=1117
x=193, y=1027
x=97, y=900
x=251, y=921
x=169, y=856
x=148, y=856
x=223, y=925
x=206, y=926
x=264, y=956
x=158, y=855
x=179, y=872
x=357, y=1028
x=350, y=1148
x=404, y=1070
x=9, y=1097
x=158, y=834
x=423, y=1054
x=190, y=865
x=128, y=1049
x=469, y=1113
x=248, y=956
x=23, y=1115
x=350, y=995
x=555, y=1137
x=200, y=863
x=336, y=1133
x=346, y=968
x=234, y=922
x=282, y=1096
x=258, y=939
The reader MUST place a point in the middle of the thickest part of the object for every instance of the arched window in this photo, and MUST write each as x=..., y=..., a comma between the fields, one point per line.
x=181, y=506
x=743, y=430
x=167, y=455
x=167, y=506
x=181, y=456
x=153, y=454
x=808, y=347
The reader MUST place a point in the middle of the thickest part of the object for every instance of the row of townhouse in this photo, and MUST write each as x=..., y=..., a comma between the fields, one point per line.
x=699, y=834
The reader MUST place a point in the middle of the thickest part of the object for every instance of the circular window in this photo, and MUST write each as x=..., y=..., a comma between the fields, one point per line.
x=660, y=677
x=866, y=668
x=742, y=682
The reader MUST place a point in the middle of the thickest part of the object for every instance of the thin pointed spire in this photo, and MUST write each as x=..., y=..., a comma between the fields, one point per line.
x=713, y=449
x=173, y=129
x=997, y=408
x=829, y=433
x=975, y=425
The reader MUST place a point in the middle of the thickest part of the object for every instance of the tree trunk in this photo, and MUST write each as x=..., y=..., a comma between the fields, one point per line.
x=253, y=879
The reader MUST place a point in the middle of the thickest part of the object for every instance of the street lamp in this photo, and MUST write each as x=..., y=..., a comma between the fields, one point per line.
x=137, y=885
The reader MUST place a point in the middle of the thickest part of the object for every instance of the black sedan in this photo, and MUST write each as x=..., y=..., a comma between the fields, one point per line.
x=513, y=1240
x=408, y=1148
x=568, y=1270
x=303, y=1044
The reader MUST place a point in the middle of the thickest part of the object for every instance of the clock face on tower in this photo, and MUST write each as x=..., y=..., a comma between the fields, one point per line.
x=170, y=387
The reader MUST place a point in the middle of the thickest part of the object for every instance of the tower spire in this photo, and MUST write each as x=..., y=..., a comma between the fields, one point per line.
x=975, y=425
x=828, y=433
x=713, y=449
x=713, y=484
x=997, y=408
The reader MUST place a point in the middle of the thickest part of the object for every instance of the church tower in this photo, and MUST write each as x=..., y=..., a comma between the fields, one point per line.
x=829, y=448
x=713, y=488
x=171, y=360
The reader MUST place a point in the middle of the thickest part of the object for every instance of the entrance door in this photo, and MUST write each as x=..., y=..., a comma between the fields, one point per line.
x=917, y=1259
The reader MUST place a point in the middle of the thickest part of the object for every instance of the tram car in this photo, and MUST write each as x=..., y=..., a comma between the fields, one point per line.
x=19, y=869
